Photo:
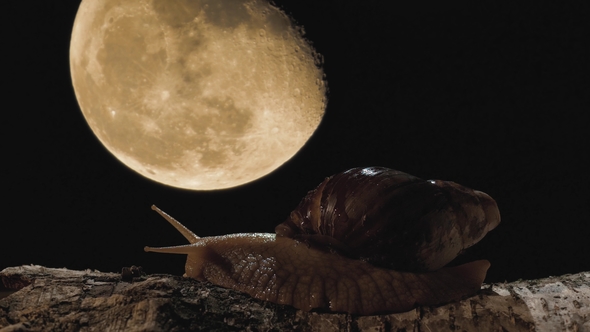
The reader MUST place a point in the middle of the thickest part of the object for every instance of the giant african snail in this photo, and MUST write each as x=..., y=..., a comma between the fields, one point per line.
x=365, y=241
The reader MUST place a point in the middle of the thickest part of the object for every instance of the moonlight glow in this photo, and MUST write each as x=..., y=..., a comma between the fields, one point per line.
x=196, y=94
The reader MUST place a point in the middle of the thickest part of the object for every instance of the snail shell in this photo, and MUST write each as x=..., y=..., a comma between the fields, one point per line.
x=392, y=219
x=365, y=241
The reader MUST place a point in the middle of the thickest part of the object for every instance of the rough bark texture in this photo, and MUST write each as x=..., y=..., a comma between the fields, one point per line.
x=64, y=300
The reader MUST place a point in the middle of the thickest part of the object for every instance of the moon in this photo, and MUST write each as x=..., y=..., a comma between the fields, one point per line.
x=196, y=94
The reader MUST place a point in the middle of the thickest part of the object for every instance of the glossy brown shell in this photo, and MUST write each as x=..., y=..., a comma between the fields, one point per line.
x=392, y=219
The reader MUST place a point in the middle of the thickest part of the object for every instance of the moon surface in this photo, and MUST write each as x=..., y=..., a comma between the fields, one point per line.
x=196, y=94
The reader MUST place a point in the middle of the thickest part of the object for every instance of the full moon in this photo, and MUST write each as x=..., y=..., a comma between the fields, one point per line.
x=196, y=94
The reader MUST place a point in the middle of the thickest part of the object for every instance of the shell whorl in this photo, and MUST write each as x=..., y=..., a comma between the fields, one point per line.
x=392, y=219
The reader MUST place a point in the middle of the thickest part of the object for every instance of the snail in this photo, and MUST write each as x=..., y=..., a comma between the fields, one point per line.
x=366, y=241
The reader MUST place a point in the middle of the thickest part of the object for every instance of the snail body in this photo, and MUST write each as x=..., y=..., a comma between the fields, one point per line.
x=365, y=241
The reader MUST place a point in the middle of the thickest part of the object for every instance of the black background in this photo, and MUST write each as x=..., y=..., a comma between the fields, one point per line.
x=492, y=96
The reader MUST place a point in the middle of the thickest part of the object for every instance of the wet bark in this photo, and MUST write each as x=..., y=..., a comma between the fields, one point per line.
x=59, y=299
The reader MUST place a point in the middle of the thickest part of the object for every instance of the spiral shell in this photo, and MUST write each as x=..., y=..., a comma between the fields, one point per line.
x=392, y=219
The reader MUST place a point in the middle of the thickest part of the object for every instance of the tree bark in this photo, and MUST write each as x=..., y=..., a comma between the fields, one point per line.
x=65, y=300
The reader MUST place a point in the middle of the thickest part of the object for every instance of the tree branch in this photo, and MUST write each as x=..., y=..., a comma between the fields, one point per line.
x=67, y=300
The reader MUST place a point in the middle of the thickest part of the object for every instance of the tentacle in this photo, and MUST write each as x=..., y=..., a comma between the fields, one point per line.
x=184, y=249
x=190, y=236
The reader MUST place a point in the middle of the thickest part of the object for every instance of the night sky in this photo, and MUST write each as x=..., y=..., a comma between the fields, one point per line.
x=490, y=96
